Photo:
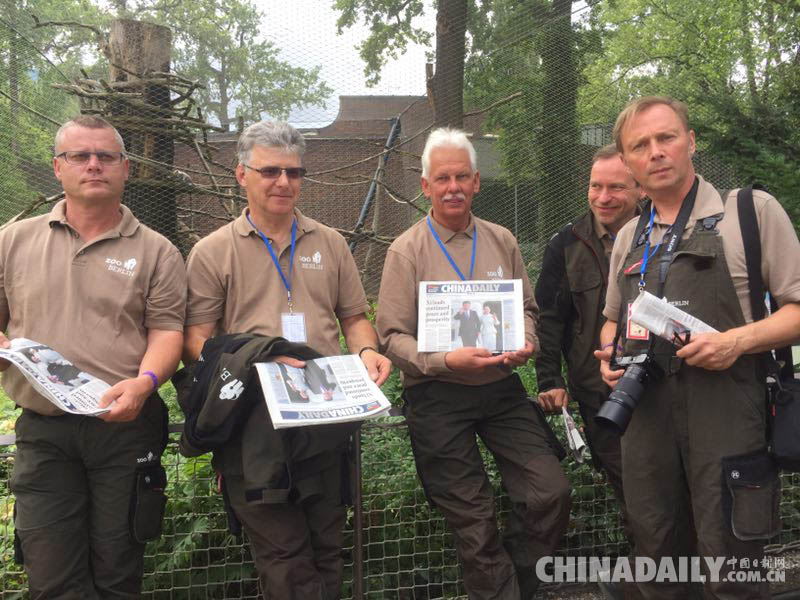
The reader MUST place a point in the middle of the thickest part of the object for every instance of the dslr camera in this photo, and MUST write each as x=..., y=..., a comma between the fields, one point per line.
x=615, y=413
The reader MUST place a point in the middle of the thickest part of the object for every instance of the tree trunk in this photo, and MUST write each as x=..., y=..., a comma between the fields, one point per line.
x=135, y=49
x=447, y=84
x=558, y=139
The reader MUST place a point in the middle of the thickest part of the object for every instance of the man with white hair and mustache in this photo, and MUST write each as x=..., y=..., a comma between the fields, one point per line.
x=451, y=396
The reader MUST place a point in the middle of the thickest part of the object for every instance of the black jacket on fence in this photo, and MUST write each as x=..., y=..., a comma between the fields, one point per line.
x=226, y=413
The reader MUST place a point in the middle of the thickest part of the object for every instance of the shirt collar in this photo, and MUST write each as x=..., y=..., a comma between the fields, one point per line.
x=707, y=203
x=125, y=228
x=600, y=230
x=446, y=234
x=243, y=227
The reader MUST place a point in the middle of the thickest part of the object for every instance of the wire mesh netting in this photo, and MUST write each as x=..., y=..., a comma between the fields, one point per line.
x=407, y=551
x=542, y=83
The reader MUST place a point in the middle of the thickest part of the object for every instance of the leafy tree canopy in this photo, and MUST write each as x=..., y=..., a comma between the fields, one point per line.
x=734, y=62
x=216, y=42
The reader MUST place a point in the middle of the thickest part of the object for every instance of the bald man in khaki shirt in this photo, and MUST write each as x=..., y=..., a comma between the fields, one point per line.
x=452, y=396
x=276, y=272
x=109, y=294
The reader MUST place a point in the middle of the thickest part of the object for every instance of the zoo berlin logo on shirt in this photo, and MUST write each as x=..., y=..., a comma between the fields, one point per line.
x=118, y=266
x=312, y=262
x=498, y=273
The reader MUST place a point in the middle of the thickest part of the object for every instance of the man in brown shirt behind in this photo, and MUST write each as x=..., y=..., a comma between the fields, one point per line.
x=109, y=294
x=451, y=396
x=275, y=272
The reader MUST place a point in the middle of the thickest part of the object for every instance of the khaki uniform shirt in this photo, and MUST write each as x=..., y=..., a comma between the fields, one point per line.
x=780, y=249
x=416, y=256
x=92, y=302
x=234, y=283
x=604, y=235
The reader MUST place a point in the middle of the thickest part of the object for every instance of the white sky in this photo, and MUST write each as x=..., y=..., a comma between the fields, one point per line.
x=305, y=33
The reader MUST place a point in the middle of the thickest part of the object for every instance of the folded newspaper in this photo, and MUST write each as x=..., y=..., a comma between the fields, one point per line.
x=577, y=446
x=334, y=389
x=484, y=314
x=665, y=320
x=54, y=377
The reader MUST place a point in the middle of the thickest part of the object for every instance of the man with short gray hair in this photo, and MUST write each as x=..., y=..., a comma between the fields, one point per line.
x=452, y=396
x=108, y=294
x=275, y=272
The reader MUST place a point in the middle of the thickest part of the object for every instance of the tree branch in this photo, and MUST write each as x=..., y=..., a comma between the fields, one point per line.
x=98, y=33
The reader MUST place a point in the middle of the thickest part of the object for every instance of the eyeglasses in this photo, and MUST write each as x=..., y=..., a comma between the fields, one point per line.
x=79, y=157
x=275, y=172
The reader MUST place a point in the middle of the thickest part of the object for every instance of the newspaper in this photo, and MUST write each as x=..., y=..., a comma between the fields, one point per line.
x=484, y=314
x=577, y=446
x=54, y=377
x=665, y=320
x=334, y=389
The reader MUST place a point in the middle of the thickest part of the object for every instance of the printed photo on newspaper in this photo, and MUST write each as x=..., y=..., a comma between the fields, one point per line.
x=54, y=377
x=334, y=389
x=483, y=314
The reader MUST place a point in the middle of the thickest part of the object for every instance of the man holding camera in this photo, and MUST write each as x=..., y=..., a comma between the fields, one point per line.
x=698, y=424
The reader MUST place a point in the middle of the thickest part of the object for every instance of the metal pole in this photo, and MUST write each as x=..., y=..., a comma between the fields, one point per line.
x=358, y=523
x=373, y=186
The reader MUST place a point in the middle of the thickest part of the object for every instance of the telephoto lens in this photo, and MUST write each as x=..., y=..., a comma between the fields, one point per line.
x=616, y=412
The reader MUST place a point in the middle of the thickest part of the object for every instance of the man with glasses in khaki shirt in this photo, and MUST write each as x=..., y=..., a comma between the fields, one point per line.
x=275, y=272
x=452, y=396
x=109, y=294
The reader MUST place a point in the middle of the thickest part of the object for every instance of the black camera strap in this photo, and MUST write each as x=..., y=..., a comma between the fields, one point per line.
x=672, y=238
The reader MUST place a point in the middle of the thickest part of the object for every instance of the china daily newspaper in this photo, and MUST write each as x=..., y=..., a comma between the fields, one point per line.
x=334, y=389
x=485, y=314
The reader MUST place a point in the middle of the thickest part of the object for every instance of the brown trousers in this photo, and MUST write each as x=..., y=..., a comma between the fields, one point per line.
x=443, y=420
x=297, y=545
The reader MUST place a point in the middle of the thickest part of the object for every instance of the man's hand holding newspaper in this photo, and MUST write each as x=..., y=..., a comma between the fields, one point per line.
x=700, y=344
x=4, y=343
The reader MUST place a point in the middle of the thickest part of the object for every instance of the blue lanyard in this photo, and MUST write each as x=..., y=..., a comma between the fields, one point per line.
x=647, y=249
x=287, y=283
x=450, y=258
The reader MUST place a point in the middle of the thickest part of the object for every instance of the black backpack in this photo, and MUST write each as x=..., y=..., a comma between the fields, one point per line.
x=783, y=390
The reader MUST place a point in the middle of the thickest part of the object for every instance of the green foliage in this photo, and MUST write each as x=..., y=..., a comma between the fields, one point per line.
x=218, y=43
x=25, y=78
x=392, y=28
x=733, y=63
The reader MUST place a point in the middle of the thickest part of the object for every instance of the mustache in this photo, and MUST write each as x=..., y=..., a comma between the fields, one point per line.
x=454, y=197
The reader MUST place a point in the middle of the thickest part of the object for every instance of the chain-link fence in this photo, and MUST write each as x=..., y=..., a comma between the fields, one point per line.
x=406, y=552
x=542, y=84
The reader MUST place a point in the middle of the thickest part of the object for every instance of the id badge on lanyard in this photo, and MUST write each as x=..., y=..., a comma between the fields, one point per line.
x=293, y=327
x=293, y=324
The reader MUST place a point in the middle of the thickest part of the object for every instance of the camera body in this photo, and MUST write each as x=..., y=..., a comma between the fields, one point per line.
x=640, y=370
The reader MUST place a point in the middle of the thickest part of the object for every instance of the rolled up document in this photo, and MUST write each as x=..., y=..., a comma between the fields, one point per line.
x=665, y=320
x=577, y=446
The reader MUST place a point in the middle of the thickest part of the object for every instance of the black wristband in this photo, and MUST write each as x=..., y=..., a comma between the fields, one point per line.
x=360, y=352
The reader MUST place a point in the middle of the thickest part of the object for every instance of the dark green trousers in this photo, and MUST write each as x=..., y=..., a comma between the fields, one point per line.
x=73, y=479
